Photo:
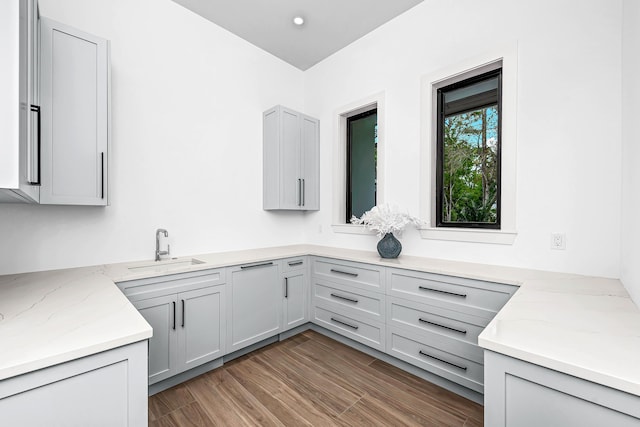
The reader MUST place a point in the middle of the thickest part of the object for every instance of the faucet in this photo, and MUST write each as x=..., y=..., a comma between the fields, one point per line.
x=158, y=251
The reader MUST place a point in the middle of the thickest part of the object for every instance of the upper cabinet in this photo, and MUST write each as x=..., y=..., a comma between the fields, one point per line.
x=291, y=160
x=54, y=119
x=75, y=115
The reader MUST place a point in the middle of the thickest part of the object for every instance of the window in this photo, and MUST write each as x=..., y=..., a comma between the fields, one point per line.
x=468, y=152
x=361, y=171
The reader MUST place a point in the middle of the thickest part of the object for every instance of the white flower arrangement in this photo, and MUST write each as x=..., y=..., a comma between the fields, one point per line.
x=386, y=218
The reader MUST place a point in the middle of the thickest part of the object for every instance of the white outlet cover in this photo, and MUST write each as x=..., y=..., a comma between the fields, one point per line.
x=558, y=241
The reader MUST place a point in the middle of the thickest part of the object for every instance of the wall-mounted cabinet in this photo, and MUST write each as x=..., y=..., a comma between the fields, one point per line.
x=54, y=119
x=290, y=160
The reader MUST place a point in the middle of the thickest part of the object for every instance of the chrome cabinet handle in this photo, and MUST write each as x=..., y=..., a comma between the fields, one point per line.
x=36, y=109
x=333, y=319
x=286, y=287
x=422, y=288
x=183, y=313
x=461, y=331
x=344, y=272
x=345, y=298
x=422, y=353
x=174, y=315
x=264, y=264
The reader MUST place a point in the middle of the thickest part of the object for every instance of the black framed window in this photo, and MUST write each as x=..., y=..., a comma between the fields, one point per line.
x=468, y=152
x=362, y=159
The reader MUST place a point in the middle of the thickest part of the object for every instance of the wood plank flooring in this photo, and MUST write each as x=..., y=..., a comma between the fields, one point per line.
x=310, y=380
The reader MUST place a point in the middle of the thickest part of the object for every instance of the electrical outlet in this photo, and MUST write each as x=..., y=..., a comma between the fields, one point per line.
x=558, y=241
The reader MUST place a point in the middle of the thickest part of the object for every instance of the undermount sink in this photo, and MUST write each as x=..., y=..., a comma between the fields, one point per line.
x=167, y=265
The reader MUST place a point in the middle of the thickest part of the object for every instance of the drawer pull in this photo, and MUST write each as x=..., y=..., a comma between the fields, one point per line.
x=294, y=263
x=333, y=319
x=461, y=331
x=422, y=288
x=344, y=272
x=264, y=264
x=345, y=298
x=422, y=353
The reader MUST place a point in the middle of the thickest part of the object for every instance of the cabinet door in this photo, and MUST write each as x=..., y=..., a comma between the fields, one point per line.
x=310, y=138
x=75, y=116
x=201, y=326
x=291, y=178
x=254, y=305
x=295, y=299
x=160, y=313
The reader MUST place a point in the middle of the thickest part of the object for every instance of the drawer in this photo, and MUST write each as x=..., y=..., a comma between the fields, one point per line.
x=349, y=301
x=364, y=331
x=136, y=290
x=437, y=356
x=362, y=276
x=470, y=296
x=296, y=263
x=421, y=318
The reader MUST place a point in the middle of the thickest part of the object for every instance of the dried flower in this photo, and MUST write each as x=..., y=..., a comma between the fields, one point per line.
x=385, y=219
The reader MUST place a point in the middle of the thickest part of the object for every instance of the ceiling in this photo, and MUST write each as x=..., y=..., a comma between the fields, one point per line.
x=329, y=25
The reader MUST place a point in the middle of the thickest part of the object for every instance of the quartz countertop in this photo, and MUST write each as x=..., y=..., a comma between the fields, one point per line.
x=584, y=326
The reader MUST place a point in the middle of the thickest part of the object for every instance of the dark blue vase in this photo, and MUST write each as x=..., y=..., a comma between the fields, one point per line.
x=389, y=246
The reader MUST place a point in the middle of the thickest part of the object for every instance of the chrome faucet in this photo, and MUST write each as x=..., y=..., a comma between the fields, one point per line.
x=158, y=251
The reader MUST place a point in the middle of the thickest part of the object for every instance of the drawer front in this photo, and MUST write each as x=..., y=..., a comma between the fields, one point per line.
x=470, y=296
x=433, y=356
x=421, y=318
x=367, y=332
x=349, y=301
x=153, y=287
x=296, y=263
x=362, y=276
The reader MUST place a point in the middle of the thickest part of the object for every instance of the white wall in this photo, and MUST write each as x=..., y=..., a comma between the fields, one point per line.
x=630, y=267
x=187, y=144
x=569, y=122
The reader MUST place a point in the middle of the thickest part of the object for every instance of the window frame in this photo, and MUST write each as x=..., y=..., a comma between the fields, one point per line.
x=440, y=115
x=348, y=166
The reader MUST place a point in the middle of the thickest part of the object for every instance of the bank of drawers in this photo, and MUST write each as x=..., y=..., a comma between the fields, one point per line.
x=348, y=298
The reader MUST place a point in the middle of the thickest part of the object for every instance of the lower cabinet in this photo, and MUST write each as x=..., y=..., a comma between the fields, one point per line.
x=295, y=307
x=523, y=394
x=106, y=389
x=188, y=330
x=188, y=315
x=254, y=304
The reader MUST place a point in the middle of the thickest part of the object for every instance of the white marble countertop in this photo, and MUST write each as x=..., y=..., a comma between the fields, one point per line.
x=583, y=326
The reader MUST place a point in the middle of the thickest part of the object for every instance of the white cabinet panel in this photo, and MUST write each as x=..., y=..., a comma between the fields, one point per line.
x=75, y=116
x=295, y=299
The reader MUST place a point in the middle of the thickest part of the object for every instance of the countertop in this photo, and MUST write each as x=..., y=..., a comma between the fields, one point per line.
x=584, y=326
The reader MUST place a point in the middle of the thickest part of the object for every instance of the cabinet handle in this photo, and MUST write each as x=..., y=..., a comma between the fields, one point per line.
x=264, y=264
x=36, y=109
x=344, y=272
x=294, y=263
x=333, y=319
x=422, y=353
x=182, y=313
x=286, y=287
x=422, y=288
x=174, y=315
x=345, y=298
x=303, y=191
x=461, y=331
x=102, y=175
x=299, y=192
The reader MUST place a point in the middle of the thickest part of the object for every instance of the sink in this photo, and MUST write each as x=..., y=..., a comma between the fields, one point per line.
x=167, y=265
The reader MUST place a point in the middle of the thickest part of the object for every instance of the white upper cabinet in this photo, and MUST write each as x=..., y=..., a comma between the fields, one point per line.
x=74, y=93
x=290, y=160
x=19, y=106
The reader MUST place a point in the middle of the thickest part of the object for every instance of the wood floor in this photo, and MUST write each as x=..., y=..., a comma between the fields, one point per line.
x=310, y=379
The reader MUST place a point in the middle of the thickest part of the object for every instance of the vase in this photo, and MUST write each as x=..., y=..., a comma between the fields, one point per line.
x=389, y=246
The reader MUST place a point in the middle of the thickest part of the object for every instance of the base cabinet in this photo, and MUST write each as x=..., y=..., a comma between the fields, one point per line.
x=522, y=394
x=254, y=303
x=295, y=307
x=188, y=315
x=105, y=389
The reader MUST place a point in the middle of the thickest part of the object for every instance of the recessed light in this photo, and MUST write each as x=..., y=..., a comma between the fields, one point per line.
x=298, y=20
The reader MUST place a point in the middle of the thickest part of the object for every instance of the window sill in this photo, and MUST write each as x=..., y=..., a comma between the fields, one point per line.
x=351, y=229
x=497, y=237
